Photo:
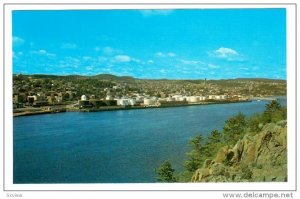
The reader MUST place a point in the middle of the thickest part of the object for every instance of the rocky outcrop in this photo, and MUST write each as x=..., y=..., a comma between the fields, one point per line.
x=259, y=157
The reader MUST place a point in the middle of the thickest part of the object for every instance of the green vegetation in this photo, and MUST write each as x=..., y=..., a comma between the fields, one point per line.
x=71, y=87
x=235, y=129
x=165, y=172
x=273, y=112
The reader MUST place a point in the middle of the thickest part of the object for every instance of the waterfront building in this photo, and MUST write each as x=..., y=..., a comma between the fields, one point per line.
x=211, y=97
x=139, y=99
x=123, y=102
x=31, y=99
x=193, y=99
x=132, y=102
x=202, y=98
x=170, y=99
x=109, y=97
x=178, y=97
x=149, y=102
x=217, y=97
x=224, y=97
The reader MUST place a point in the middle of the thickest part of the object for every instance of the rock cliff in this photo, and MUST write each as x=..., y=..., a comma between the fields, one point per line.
x=260, y=157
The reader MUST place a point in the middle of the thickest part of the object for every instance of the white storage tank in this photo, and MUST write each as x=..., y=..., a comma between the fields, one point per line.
x=83, y=97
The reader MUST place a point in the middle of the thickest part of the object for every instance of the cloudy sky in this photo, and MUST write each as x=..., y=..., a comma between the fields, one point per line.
x=173, y=44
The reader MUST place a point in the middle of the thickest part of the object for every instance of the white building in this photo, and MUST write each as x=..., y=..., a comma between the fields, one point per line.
x=223, y=97
x=202, y=98
x=193, y=99
x=177, y=97
x=126, y=102
x=139, y=99
x=170, y=99
x=122, y=102
x=132, y=102
x=211, y=97
x=108, y=97
x=149, y=102
x=218, y=97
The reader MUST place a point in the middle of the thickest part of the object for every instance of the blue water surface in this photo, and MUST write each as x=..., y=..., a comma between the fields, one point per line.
x=112, y=147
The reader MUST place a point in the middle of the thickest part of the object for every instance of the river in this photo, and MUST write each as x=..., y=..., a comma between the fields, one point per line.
x=112, y=147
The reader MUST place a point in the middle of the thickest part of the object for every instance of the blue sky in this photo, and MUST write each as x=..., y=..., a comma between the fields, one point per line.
x=173, y=44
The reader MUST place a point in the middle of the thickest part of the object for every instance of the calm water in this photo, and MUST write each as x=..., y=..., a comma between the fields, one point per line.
x=115, y=146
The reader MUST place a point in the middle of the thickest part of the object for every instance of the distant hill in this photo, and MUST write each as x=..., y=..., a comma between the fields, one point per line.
x=129, y=78
x=113, y=77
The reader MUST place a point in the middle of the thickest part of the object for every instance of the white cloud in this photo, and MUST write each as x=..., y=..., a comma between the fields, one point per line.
x=86, y=58
x=89, y=68
x=169, y=54
x=191, y=62
x=136, y=60
x=163, y=71
x=102, y=59
x=43, y=52
x=244, y=68
x=150, y=61
x=69, y=46
x=226, y=53
x=17, y=41
x=17, y=54
x=107, y=50
x=212, y=66
x=122, y=58
x=160, y=54
x=148, y=13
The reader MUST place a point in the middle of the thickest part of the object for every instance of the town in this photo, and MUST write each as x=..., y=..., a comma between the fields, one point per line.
x=34, y=94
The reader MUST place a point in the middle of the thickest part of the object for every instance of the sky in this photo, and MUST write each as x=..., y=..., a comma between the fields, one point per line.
x=152, y=44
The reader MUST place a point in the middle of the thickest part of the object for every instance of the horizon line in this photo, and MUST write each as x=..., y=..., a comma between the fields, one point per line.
x=162, y=78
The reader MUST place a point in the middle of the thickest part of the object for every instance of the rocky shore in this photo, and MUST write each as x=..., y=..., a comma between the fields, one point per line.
x=259, y=158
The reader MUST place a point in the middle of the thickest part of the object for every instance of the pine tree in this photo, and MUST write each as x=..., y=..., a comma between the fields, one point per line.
x=165, y=172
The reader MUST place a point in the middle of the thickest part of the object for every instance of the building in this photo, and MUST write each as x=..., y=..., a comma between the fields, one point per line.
x=223, y=97
x=123, y=102
x=193, y=99
x=170, y=99
x=31, y=99
x=132, y=102
x=109, y=97
x=202, y=98
x=149, y=102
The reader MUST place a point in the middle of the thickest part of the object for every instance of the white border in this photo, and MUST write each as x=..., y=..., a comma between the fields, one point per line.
x=290, y=185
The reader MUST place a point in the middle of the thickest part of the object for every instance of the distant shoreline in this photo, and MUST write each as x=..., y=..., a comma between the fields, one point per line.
x=117, y=108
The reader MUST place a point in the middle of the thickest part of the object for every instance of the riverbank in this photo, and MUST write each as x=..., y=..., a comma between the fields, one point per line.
x=50, y=110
